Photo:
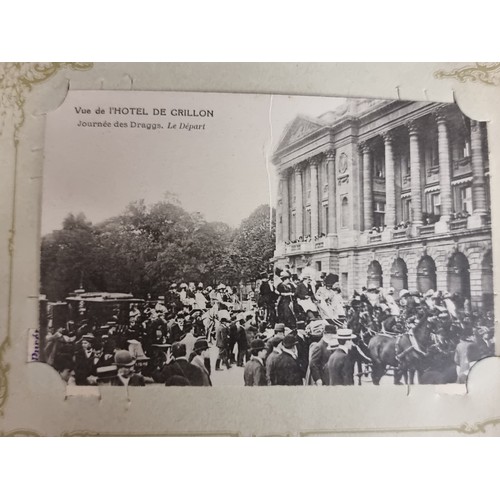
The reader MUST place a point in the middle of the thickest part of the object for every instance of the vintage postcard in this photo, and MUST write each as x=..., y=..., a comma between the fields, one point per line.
x=236, y=261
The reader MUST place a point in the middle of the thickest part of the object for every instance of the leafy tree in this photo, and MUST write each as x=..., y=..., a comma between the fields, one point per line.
x=253, y=245
x=69, y=258
x=144, y=249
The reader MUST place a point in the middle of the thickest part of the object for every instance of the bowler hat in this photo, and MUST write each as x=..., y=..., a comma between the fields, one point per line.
x=124, y=358
x=289, y=341
x=257, y=345
x=301, y=325
x=201, y=344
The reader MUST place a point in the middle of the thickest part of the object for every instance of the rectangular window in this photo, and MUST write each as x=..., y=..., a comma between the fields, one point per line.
x=379, y=214
x=308, y=222
x=466, y=199
x=379, y=168
x=434, y=203
x=318, y=265
x=406, y=205
x=434, y=151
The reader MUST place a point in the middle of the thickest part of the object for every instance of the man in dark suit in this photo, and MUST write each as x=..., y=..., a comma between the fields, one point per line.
x=303, y=344
x=181, y=371
x=267, y=299
x=320, y=355
x=287, y=367
x=84, y=361
x=340, y=366
x=177, y=330
x=255, y=373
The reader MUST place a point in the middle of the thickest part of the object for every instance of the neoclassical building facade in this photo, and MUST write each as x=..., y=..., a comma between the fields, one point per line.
x=388, y=193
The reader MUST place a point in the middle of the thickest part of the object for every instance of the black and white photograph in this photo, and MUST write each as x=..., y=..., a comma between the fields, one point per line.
x=211, y=239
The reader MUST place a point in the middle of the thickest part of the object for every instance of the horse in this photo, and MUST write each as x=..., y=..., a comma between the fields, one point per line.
x=404, y=352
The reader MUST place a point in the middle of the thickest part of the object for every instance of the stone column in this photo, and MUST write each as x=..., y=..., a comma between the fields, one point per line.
x=415, y=177
x=299, y=203
x=314, y=197
x=285, y=203
x=478, y=185
x=390, y=182
x=444, y=172
x=367, y=185
x=279, y=213
x=332, y=202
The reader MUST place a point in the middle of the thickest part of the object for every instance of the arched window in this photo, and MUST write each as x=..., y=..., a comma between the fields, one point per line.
x=399, y=275
x=374, y=275
x=458, y=275
x=344, y=212
x=426, y=274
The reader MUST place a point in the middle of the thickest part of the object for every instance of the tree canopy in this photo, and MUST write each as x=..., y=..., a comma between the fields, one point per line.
x=146, y=248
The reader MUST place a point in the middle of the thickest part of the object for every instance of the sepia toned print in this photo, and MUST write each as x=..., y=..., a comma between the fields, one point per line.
x=372, y=265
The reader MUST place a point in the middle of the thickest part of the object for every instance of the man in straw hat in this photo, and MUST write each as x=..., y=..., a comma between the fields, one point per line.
x=340, y=366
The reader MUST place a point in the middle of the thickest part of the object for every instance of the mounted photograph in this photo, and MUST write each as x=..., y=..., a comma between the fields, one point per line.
x=216, y=239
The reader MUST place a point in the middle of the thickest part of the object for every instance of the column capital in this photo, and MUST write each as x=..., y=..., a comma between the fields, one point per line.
x=284, y=174
x=388, y=136
x=475, y=125
x=413, y=127
x=364, y=147
x=298, y=168
x=313, y=162
x=440, y=115
x=330, y=154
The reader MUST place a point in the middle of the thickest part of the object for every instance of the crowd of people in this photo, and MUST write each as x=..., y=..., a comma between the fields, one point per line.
x=299, y=331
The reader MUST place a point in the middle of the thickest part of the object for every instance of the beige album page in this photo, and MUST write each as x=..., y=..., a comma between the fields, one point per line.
x=249, y=249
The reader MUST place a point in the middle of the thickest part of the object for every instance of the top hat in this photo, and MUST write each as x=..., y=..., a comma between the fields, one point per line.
x=301, y=325
x=279, y=327
x=124, y=358
x=289, y=341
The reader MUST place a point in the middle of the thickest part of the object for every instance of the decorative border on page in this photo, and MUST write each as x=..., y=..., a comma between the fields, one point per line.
x=487, y=73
